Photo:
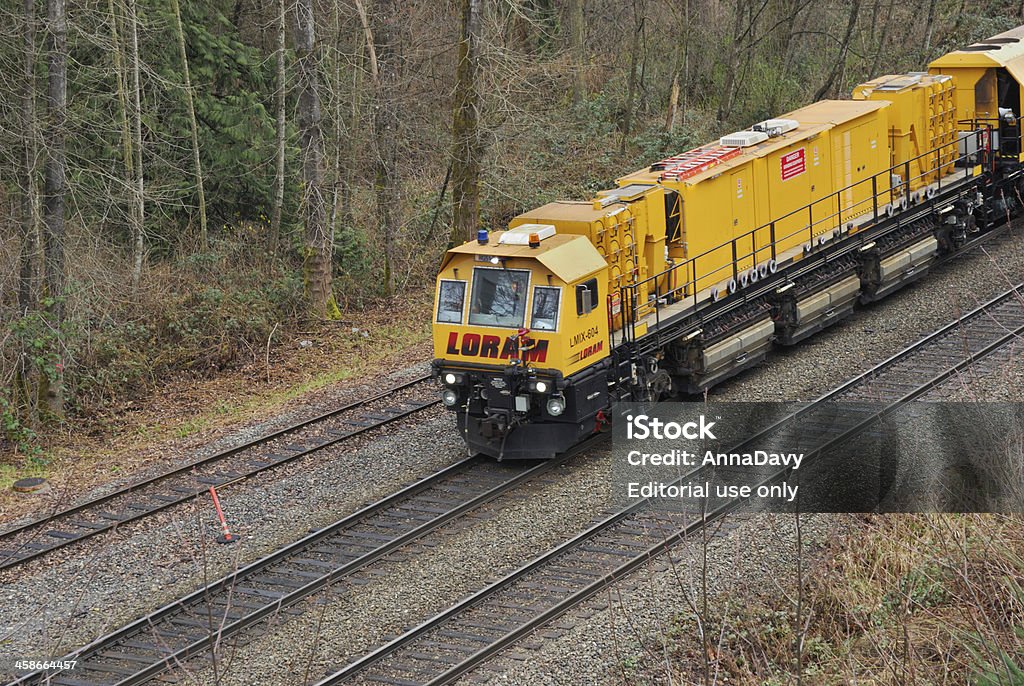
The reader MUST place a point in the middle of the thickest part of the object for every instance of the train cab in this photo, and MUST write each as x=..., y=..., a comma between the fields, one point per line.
x=517, y=314
x=988, y=77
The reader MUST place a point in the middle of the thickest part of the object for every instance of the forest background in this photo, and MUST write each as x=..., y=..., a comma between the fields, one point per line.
x=182, y=186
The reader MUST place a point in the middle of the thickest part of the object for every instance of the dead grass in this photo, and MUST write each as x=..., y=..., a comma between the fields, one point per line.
x=918, y=595
x=902, y=599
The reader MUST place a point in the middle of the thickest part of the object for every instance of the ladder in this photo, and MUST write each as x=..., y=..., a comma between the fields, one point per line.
x=693, y=162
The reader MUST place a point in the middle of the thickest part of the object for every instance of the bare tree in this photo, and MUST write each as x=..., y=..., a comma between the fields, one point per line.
x=319, y=236
x=929, y=29
x=844, y=49
x=139, y=187
x=193, y=126
x=29, y=226
x=127, y=153
x=680, y=68
x=465, y=128
x=345, y=129
x=883, y=38
x=55, y=182
x=577, y=47
x=385, y=130
x=639, y=17
x=732, y=61
x=275, y=214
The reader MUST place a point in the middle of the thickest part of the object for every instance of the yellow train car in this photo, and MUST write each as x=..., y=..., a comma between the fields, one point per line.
x=922, y=126
x=766, y=192
x=688, y=271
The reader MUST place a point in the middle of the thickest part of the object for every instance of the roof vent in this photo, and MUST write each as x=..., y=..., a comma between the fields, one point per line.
x=743, y=139
x=521, y=234
x=776, y=127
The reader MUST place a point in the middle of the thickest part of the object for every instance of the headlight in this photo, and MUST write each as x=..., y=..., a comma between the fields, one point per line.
x=450, y=379
x=541, y=387
x=556, y=406
x=449, y=397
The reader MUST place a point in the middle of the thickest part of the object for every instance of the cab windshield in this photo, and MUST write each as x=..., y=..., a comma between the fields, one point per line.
x=499, y=297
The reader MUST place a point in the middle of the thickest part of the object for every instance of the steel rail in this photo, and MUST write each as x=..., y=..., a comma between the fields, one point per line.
x=1014, y=293
x=31, y=549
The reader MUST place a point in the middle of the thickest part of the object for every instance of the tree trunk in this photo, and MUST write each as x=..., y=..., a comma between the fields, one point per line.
x=672, y=111
x=954, y=33
x=53, y=192
x=386, y=133
x=319, y=237
x=29, y=227
x=139, y=205
x=282, y=84
x=929, y=28
x=348, y=144
x=344, y=147
x=370, y=47
x=465, y=129
x=127, y=154
x=194, y=126
x=732, y=65
x=882, y=40
x=680, y=68
x=26, y=380
x=577, y=48
x=634, y=56
x=788, y=46
x=334, y=89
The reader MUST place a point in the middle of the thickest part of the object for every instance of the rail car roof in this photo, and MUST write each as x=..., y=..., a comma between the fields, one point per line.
x=1001, y=50
x=814, y=119
x=568, y=210
x=570, y=257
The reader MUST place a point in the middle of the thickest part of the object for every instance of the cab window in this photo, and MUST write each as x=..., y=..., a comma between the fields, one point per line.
x=586, y=297
x=450, y=299
x=498, y=297
x=545, y=308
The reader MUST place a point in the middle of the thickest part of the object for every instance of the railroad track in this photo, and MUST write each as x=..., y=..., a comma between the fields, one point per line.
x=186, y=628
x=997, y=322
x=181, y=484
x=457, y=641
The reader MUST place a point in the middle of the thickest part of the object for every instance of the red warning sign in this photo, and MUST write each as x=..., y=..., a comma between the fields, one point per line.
x=616, y=303
x=793, y=164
